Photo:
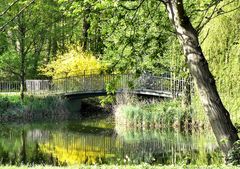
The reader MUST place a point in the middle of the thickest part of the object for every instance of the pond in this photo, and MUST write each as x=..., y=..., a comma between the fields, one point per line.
x=92, y=141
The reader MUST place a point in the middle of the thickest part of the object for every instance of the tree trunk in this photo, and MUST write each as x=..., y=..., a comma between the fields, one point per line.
x=22, y=87
x=22, y=53
x=86, y=26
x=225, y=132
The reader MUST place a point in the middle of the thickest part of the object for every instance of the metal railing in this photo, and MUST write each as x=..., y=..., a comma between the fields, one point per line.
x=10, y=86
x=97, y=82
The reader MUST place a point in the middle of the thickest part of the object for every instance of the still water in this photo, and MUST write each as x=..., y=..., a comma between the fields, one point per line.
x=96, y=141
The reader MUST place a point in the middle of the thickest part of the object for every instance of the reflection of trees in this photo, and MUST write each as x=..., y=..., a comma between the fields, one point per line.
x=77, y=149
x=16, y=148
x=171, y=147
x=62, y=147
x=23, y=154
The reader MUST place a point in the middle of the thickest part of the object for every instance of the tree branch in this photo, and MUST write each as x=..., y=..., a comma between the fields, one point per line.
x=132, y=9
x=9, y=70
x=24, y=8
x=217, y=11
x=8, y=8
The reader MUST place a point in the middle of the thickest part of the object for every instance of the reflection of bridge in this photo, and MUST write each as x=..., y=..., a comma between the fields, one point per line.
x=99, y=84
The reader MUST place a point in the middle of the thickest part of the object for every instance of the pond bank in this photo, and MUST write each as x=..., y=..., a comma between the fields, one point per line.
x=32, y=108
x=155, y=114
x=50, y=108
x=143, y=166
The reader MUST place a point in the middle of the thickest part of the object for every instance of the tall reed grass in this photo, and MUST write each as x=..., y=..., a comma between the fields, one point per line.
x=131, y=112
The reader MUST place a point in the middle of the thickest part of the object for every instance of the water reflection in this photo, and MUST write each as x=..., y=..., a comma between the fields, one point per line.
x=95, y=141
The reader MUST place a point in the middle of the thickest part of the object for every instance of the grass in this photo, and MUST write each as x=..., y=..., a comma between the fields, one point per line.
x=156, y=114
x=12, y=108
x=167, y=113
x=142, y=166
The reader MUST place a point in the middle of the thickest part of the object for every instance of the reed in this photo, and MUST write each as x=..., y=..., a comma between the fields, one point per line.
x=130, y=112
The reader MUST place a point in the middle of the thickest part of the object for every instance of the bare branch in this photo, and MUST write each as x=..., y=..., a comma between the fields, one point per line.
x=217, y=11
x=9, y=70
x=225, y=12
x=207, y=18
x=132, y=9
x=205, y=36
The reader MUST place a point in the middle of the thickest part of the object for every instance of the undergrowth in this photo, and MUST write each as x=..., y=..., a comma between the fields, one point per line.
x=12, y=108
x=131, y=112
x=142, y=166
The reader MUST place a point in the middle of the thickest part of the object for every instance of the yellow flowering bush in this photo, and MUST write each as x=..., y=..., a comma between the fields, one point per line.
x=72, y=63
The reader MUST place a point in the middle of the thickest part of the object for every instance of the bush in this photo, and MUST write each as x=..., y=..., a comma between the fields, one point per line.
x=4, y=104
x=75, y=62
x=234, y=154
x=12, y=108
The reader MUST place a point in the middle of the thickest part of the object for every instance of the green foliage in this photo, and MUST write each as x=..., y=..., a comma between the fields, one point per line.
x=73, y=63
x=156, y=114
x=9, y=64
x=234, y=154
x=4, y=104
x=12, y=106
x=136, y=44
x=40, y=105
x=141, y=166
x=221, y=47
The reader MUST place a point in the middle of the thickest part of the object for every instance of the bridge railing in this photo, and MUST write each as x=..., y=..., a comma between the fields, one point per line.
x=10, y=86
x=159, y=83
x=97, y=82
x=89, y=83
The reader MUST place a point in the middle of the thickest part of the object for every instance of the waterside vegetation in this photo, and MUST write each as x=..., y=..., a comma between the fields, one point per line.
x=51, y=39
x=132, y=113
x=142, y=166
x=12, y=108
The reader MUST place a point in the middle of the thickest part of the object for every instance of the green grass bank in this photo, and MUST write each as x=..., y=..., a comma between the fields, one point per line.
x=143, y=166
x=32, y=108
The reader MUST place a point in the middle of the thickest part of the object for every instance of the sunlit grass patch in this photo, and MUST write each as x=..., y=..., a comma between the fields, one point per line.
x=142, y=166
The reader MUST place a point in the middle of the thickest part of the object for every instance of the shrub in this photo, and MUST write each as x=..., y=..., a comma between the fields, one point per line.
x=4, y=104
x=234, y=154
x=73, y=63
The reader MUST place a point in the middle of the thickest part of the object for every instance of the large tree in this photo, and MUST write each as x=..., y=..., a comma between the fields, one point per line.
x=225, y=132
x=25, y=30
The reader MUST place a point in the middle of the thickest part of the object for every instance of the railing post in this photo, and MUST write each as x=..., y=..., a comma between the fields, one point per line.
x=65, y=83
x=84, y=75
x=102, y=79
